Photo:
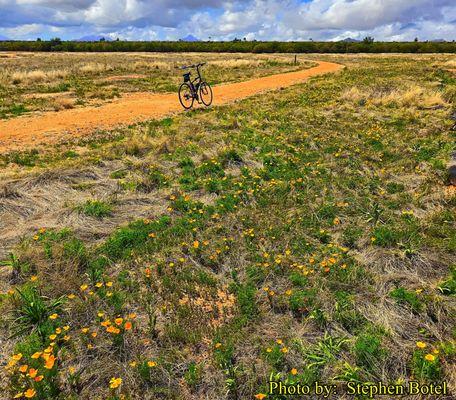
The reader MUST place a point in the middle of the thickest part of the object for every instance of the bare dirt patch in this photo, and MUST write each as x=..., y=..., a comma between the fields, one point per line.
x=48, y=128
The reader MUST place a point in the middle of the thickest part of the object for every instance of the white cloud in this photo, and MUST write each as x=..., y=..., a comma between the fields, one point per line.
x=226, y=19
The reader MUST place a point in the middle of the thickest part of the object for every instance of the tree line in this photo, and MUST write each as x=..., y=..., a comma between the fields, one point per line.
x=55, y=45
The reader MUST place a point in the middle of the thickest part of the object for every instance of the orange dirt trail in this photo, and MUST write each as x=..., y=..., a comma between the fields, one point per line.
x=53, y=127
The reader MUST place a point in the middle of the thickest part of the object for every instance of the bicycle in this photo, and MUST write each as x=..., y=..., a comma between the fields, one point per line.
x=197, y=89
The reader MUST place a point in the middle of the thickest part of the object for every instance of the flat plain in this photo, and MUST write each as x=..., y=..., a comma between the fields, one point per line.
x=303, y=234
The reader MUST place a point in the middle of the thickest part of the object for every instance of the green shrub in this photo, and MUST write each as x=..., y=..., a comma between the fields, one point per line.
x=426, y=370
x=95, y=208
x=368, y=351
x=404, y=296
x=448, y=287
x=32, y=312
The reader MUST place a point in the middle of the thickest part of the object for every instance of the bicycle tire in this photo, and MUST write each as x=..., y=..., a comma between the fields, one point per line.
x=185, y=94
x=205, y=94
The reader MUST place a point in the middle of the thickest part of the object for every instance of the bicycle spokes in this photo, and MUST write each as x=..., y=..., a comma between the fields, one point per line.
x=196, y=89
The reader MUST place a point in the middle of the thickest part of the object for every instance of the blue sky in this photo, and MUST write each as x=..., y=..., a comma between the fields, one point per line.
x=226, y=19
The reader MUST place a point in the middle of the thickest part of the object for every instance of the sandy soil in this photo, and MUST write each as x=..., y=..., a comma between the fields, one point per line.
x=54, y=127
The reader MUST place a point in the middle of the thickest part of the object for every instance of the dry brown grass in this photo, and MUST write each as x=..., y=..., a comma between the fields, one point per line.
x=373, y=270
x=236, y=63
x=37, y=76
x=411, y=96
x=451, y=63
x=152, y=65
x=95, y=67
x=63, y=103
x=28, y=73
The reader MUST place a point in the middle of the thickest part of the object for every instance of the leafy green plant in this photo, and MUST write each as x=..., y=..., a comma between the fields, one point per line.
x=25, y=158
x=95, y=208
x=426, y=366
x=275, y=356
x=325, y=351
x=247, y=302
x=154, y=179
x=119, y=174
x=19, y=267
x=368, y=351
x=448, y=287
x=193, y=374
x=32, y=311
x=302, y=301
x=386, y=236
x=349, y=373
x=346, y=313
x=404, y=296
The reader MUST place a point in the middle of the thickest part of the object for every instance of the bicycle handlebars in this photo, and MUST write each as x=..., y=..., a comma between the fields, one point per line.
x=192, y=66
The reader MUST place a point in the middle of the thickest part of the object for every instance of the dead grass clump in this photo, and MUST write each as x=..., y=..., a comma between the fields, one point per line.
x=236, y=63
x=61, y=272
x=28, y=76
x=151, y=65
x=354, y=95
x=4, y=78
x=38, y=76
x=451, y=63
x=94, y=67
x=137, y=145
x=412, y=96
x=63, y=103
x=449, y=94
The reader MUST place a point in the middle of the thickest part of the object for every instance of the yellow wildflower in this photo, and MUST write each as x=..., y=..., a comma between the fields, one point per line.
x=29, y=393
x=114, y=383
x=23, y=368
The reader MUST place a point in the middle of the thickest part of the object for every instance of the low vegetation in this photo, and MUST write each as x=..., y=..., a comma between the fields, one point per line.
x=302, y=235
x=52, y=82
x=368, y=45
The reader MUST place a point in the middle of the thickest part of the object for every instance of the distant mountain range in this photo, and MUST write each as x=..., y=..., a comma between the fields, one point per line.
x=190, y=38
x=350, y=40
x=93, y=38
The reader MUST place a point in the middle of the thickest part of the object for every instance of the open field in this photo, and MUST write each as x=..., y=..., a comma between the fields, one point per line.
x=31, y=82
x=51, y=127
x=302, y=234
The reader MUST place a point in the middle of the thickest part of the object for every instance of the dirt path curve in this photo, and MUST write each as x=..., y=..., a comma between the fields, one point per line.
x=53, y=127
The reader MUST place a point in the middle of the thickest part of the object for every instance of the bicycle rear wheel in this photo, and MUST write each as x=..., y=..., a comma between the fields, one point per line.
x=186, y=96
x=205, y=93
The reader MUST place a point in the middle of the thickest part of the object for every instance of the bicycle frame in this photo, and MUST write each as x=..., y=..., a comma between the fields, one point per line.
x=194, y=89
x=198, y=81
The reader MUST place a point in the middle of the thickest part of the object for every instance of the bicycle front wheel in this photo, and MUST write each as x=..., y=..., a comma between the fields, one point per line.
x=205, y=93
x=186, y=97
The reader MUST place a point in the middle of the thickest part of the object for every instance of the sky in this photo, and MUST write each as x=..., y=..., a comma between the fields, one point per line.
x=390, y=20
